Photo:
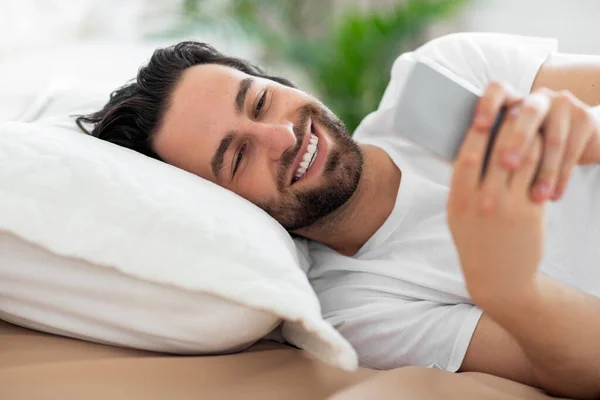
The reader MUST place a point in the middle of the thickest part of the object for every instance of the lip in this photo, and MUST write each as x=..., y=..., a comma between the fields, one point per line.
x=319, y=160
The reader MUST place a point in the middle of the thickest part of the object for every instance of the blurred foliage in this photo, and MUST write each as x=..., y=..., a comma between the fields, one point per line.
x=347, y=58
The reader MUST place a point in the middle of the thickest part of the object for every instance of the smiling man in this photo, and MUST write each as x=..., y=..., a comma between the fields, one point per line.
x=415, y=262
x=270, y=155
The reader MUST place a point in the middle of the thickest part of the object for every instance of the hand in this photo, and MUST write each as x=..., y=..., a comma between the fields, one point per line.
x=571, y=135
x=497, y=229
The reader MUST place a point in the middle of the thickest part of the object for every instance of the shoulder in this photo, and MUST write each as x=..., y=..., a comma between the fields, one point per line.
x=482, y=57
x=472, y=58
x=476, y=58
x=482, y=44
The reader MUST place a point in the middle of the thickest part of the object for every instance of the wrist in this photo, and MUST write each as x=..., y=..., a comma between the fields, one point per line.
x=496, y=298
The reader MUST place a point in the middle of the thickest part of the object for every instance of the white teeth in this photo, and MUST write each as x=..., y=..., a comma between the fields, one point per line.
x=309, y=157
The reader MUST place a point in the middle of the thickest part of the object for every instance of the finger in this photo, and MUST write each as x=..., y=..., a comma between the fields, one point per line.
x=523, y=177
x=496, y=177
x=496, y=96
x=557, y=128
x=582, y=127
x=469, y=162
x=530, y=117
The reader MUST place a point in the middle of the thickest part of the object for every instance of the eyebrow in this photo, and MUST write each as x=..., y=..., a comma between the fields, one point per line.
x=240, y=98
x=218, y=158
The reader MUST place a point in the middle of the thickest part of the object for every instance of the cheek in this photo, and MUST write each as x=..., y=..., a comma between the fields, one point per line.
x=256, y=186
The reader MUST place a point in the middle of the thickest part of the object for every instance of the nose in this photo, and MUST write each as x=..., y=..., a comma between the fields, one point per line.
x=275, y=138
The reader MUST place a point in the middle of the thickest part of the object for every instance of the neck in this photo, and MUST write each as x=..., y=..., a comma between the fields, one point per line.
x=348, y=228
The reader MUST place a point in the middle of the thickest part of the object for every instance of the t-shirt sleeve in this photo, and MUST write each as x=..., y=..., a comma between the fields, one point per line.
x=392, y=332
x=477, y=59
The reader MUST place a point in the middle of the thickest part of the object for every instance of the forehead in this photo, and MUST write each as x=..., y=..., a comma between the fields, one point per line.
x=200, y=111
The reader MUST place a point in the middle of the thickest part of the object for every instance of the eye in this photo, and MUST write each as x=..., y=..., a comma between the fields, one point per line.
x=260, y=104
x=239, y=158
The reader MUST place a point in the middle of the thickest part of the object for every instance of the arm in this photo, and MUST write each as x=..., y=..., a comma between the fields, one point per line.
x=550, y=342
x=579, y=74
x=534, y=330
x=417, y=383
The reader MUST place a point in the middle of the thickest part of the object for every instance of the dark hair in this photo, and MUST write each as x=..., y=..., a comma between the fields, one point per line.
x=136, y=110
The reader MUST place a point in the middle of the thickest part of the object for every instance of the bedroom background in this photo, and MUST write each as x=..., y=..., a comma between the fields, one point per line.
x=341, y=50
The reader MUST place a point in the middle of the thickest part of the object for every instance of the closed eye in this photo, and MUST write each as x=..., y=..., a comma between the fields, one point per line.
x=260, y=104
x=239, y=158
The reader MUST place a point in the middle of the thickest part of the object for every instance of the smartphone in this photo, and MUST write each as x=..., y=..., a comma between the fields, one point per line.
x=435, y=111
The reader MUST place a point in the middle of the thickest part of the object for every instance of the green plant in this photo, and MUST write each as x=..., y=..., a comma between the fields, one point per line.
x=347, y=60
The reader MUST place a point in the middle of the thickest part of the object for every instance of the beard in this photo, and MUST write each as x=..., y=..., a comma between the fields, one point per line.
x=298, y=208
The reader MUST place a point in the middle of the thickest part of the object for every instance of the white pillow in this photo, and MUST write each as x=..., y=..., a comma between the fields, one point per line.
x=104, y=244
x=72, y=297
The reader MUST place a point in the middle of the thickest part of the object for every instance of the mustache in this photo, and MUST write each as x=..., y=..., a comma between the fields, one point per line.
x=305, y=113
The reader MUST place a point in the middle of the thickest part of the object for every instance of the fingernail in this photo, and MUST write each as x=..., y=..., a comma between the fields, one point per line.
x=556, y=194
x=511, y=157
x=514, y=111
x=481, y=120
x=542, y=189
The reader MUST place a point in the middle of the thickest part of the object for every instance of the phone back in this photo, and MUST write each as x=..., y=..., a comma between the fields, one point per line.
x=434, y=111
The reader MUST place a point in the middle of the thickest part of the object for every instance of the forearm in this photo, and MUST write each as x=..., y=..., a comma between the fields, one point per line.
x=580, y=74
x=559, y=329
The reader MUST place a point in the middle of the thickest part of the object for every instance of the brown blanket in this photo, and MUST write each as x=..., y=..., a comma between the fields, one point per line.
x=35, y=365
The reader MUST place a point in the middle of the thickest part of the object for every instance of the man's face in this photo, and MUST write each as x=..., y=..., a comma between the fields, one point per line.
x=274, y=145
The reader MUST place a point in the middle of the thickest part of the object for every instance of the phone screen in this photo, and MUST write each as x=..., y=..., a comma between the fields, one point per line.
x=435, y=110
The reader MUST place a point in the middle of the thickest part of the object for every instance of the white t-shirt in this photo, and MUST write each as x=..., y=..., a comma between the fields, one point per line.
x=401, y=300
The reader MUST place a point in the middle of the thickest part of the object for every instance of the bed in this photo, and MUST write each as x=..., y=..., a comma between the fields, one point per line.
x=36, y=365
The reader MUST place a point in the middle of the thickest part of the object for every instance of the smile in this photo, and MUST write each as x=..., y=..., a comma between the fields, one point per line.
x=308, y=158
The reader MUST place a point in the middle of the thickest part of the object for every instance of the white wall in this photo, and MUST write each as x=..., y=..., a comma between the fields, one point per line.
x=34, y=24
x=575, y=23
x=30, y=24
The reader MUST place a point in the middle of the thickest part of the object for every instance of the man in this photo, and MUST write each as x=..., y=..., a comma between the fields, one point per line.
x=404, y=245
